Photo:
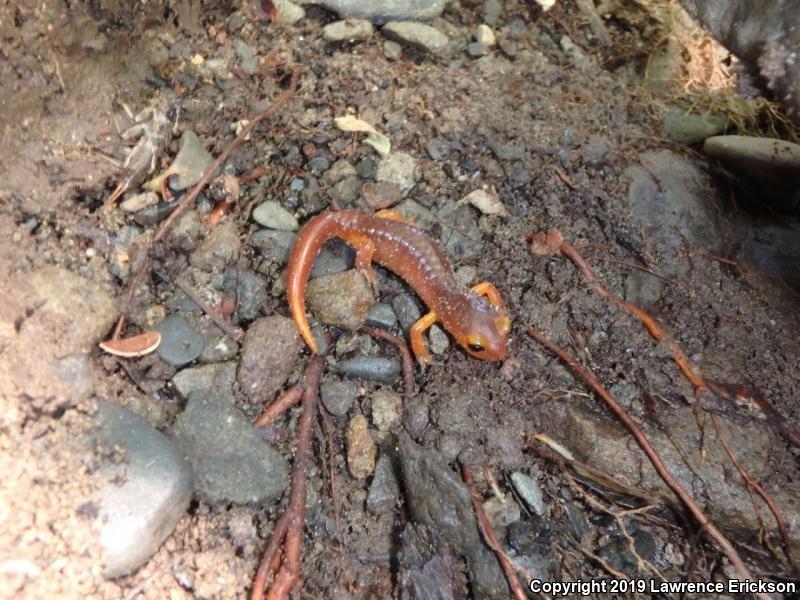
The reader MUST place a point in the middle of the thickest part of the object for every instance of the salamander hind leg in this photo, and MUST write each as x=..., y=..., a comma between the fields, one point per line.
x=487, y=289
x=417, y=341
x=365, y=249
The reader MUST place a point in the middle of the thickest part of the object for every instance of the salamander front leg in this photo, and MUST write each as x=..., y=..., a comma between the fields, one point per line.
x=415, y=334
x=491, y=293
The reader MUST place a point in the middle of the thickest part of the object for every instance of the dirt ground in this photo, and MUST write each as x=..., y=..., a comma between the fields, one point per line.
x=553, y=134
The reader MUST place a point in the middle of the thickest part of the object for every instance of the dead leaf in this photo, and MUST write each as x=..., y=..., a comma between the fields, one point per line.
x=487, y=202
x=379, y=142
x=138, y=345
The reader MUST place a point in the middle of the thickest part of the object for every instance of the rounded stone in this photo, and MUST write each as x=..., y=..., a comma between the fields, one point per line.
x=180, y=343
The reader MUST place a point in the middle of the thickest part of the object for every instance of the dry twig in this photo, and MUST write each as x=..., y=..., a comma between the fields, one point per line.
x=491, y=539
x=288, y=531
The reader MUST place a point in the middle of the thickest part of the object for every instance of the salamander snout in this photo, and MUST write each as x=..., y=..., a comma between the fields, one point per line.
x=486, y=335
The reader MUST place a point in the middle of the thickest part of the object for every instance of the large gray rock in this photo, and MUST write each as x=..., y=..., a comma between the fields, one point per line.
x=381, y=11
x=439, y=499
x=231, y=462
x=146, y=491
x=693, y=454
x=669, y=204
x=764, y=35
x=416, y=35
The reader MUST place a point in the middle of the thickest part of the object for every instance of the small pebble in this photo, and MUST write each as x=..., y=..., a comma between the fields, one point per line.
x=221, y=376
x=476, y=49
x=269, y=350
x=180, y=343
x=392, y=50
x=386, y=408
x=381, y=315
x=318, y=165
x=384, y=491
x=439, y=342
x=272, y=215
x=336, y=256
x=218, y=250
x=338, y=171
x=529, y=491
x=297, y=184
x=345, y=191
x=139, y=201
x=375, y=368
x=338, y=396
x=361, y=449
x=381, y=194
x=153, y=215
x=438, y=148
x=366, y=167
x=407, y=310
x=273, y=245
x=343, y=299
x=251, y=295
x=349, y=30
x=399, y=168
x=190, y=163
x=501, y=513
x=484, y=35
x=416, y=35
x=466, y=274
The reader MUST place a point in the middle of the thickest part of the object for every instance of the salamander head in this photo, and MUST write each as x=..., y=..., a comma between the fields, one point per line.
x=483, y=331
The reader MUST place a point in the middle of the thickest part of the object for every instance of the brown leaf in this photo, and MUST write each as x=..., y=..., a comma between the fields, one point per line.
x=138, y=345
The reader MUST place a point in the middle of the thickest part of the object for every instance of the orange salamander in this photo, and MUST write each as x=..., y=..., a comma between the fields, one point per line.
x=475, y=317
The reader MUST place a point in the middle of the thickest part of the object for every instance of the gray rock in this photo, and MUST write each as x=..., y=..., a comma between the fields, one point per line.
x=381, y=11
x=460, y=236
x=417, y=214
x=416, y=35
x=399, y=168
x=190, y=163
x=345, y=192
x=764, y=35
x=773, y=248
x=384, y=491
x=248, y=59
x=375, y=368
x=501, y=512
x=152, y=215
x=529, y=491
x=218, y=250
x=144, y=495
x=218, y=347
x=643, y=289
x=477, y=49
x=439, y=499
x=366, y=167
x=407, y=310
x=289, y=12
x=392, y=50
x=427, y=566
x=338, y=396
x=272, y=215
x=343, y=299
x=273, y=245
x=230, y=461
x=349, y=30
x=492, y=11
x=251, y=295
x=381, y=194
x=269, y=350
x=338, y=171
x=690, y=128
x=438, y=148
x=381, y=315
x=607, y=444
x=668, y=200
x=336, y=256
x=180, y=342
x=318, y=164
x=218, y=377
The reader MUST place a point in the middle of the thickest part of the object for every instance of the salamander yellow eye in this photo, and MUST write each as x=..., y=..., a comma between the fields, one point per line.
x=476, y=342
x=504, y=325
